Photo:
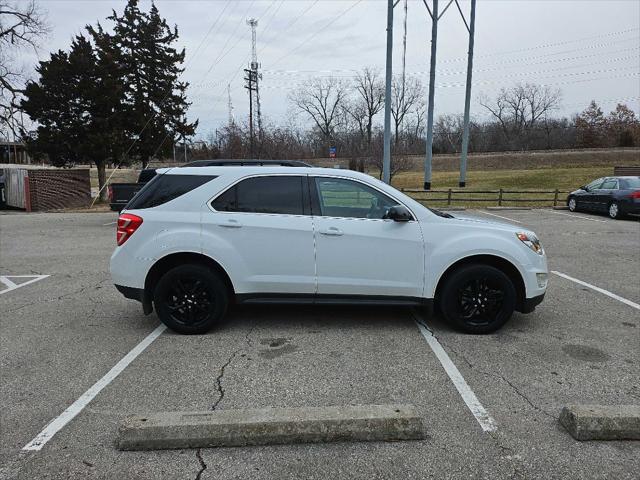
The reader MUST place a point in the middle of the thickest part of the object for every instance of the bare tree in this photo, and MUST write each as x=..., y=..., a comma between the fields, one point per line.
x=404, y=97
x=448, y=133
x=519, y=108
x=369, y=101
x=322, y=100
x=22, y=26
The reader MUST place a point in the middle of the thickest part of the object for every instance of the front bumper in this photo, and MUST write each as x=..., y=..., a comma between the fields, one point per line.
x=529, y=304
x=130, y=292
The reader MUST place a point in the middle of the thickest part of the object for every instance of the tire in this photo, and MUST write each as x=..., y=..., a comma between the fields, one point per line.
x=614, y=211
x=190, y=299
x=572, y=204
x=468, y=285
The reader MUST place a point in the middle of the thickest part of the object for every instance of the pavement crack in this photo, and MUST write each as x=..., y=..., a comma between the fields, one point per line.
x=219, y=378
x=203, y=465
x=524, y=397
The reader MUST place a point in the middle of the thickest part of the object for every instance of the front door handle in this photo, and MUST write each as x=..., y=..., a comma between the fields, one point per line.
x=334, y=231
x=231, y=223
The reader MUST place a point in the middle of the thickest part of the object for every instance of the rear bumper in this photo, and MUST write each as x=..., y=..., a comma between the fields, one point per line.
x=137, y=294
x=530, y=304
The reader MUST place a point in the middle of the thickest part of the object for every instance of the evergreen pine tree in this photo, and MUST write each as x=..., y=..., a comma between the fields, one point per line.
x=154, y=97
x=76, y=102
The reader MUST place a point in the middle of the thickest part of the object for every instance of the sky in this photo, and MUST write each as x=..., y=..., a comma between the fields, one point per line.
x=590, y=49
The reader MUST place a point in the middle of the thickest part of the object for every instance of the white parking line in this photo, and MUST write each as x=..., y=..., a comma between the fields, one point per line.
x=76, y=407
x=499, y=216
x=487, y=423
x=572, y=215
x=110, y=223
x=11, y=285
x=598, y=289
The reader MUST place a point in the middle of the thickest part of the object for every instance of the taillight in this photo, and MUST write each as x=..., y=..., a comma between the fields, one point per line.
x=110, y=193
x=127, y=225
x=635, y=195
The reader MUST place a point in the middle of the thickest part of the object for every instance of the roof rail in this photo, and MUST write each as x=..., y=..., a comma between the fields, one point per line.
x=245, y=163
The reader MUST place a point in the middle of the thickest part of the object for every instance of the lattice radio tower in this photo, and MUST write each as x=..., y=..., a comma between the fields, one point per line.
x=252, y=79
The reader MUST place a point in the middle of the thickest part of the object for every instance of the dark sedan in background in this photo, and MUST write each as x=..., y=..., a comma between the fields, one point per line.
x=616, y=196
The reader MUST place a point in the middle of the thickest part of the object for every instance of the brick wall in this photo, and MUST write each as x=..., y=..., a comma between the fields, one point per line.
x=51, y=189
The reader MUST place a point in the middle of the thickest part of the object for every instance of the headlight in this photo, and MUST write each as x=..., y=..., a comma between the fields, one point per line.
x=531, y=241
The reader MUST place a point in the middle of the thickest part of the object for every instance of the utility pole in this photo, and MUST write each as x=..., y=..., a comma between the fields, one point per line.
x=432, y=77
x=386, y=155
x=467, y=96
x=250, y=80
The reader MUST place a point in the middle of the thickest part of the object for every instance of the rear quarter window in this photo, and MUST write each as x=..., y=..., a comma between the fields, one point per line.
x=164, y=188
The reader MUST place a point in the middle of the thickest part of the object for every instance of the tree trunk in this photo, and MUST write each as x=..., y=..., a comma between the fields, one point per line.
x=102, y=178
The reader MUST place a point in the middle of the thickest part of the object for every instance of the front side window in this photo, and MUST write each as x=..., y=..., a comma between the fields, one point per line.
x=595, y=184
x=610, y=184
x=273, y=194
x=339, y=197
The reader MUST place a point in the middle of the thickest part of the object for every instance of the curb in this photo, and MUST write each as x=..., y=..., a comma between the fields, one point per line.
x=269, y=426
x=561, y=208
x=602, y=422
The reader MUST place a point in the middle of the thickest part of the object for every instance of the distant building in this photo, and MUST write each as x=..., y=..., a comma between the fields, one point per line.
x=14, y=152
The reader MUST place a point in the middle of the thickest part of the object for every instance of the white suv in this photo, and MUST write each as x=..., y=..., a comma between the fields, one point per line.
x=196, y=239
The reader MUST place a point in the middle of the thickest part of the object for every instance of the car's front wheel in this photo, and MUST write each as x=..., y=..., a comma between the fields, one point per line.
x=190, y=299
x=478, y=299
x=572, y=204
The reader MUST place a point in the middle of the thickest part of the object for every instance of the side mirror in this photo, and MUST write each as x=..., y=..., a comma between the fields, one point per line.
x=398, y=213
x=583, y=187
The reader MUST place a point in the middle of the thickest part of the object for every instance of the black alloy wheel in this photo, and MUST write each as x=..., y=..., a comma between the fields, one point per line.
x=478, y=299
x=190, y=299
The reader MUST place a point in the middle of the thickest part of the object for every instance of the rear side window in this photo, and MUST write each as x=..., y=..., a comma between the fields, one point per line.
x=630, y=182
x=274, y=194
x=164, y=188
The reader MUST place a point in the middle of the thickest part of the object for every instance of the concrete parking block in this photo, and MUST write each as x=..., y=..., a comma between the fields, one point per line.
x=265, y=426
x=602, y=422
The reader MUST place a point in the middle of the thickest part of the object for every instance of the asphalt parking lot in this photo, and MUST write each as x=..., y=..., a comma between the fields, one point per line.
x=62, y=333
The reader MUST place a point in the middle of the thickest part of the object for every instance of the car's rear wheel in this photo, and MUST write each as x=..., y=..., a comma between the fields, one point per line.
x=190, y=299
x=614, y=210
x=572, y=204
x=478, y=299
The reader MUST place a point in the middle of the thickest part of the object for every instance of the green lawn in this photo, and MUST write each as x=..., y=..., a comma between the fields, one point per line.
x=563, y=179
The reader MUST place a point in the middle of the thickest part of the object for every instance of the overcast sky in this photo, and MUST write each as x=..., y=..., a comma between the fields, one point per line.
x=590, y=49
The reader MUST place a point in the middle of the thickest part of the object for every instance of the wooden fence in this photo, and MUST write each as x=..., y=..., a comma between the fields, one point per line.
x=499, y=197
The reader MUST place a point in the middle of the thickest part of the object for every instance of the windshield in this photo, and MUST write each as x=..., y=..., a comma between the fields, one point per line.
x=440, y=213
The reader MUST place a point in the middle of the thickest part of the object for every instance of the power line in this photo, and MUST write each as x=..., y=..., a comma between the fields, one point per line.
x=324, y=27
x=352, y=72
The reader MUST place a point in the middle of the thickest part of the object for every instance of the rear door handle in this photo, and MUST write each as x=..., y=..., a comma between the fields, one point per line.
x=231, y=223
x=334, y=231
